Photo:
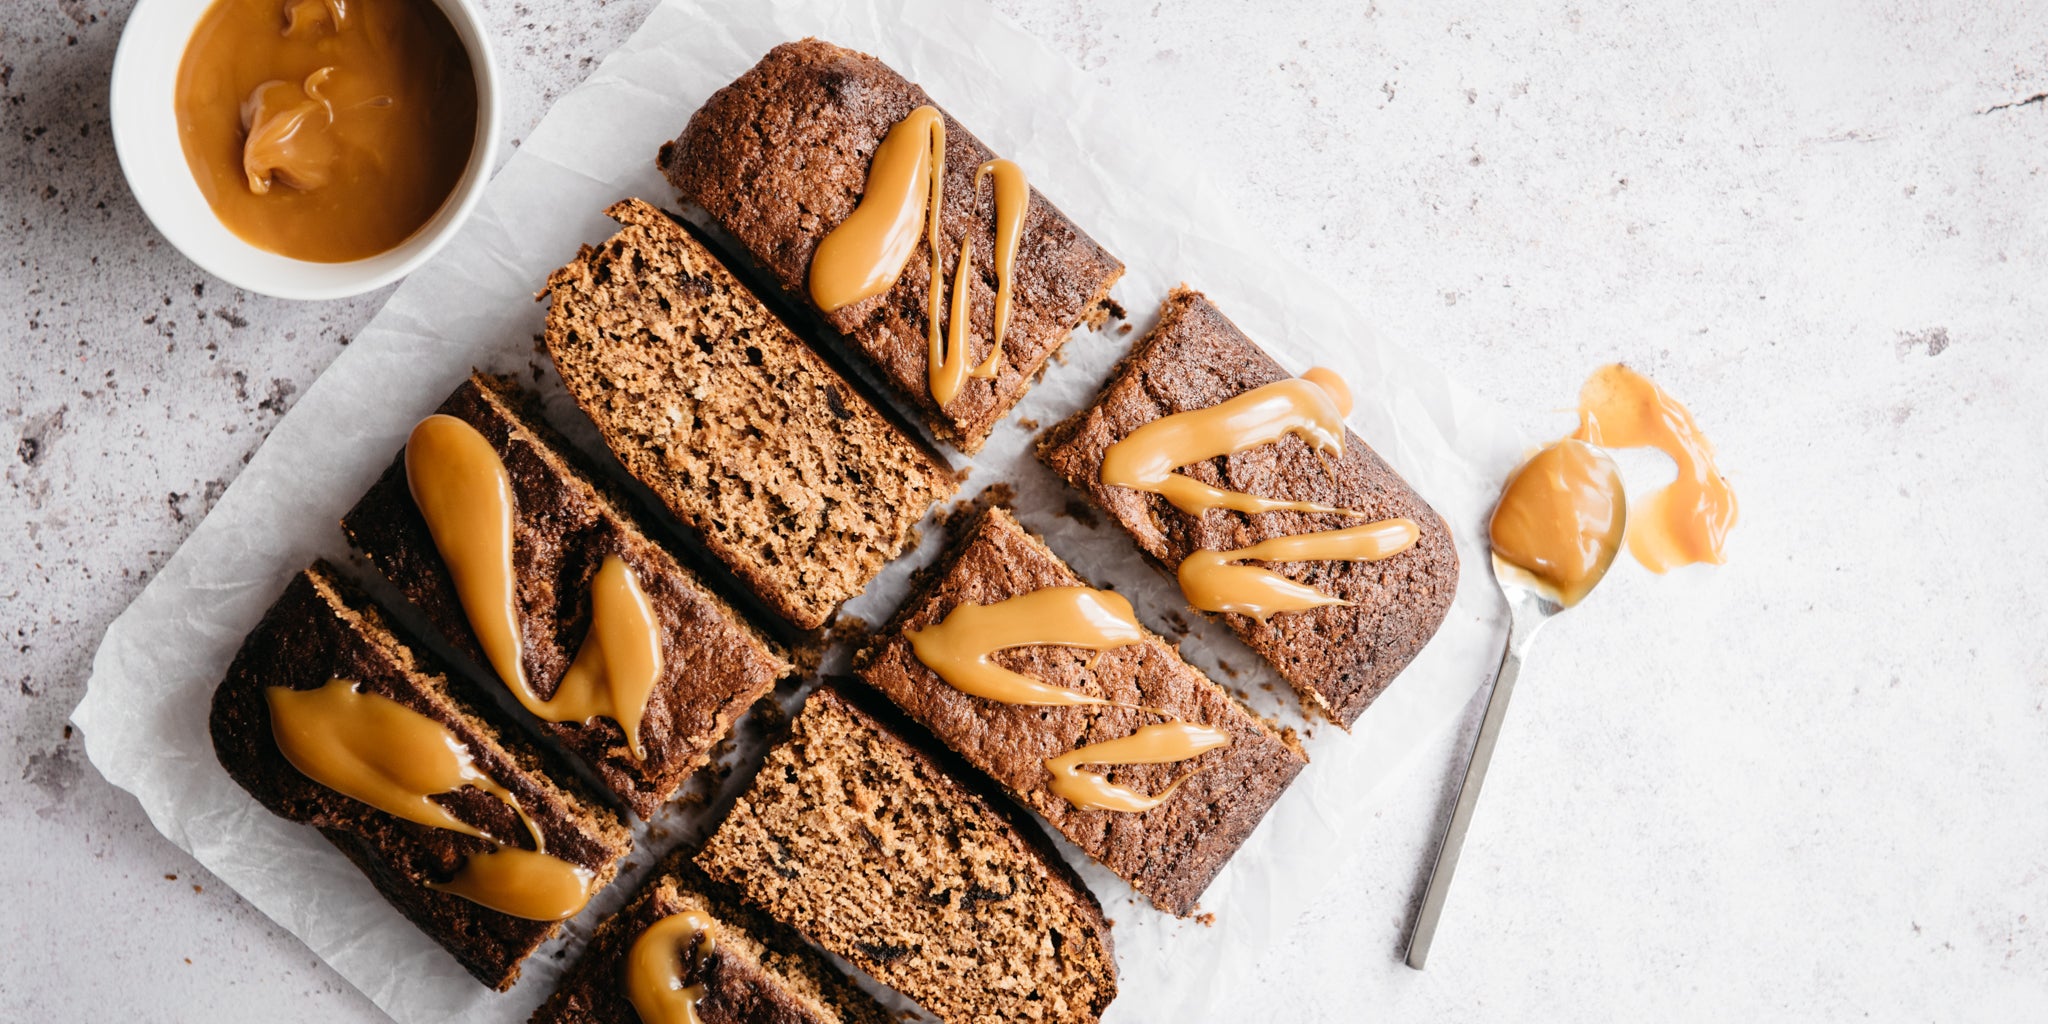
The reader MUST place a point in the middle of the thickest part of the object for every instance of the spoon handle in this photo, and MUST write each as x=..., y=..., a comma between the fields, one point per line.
x=1468, y=798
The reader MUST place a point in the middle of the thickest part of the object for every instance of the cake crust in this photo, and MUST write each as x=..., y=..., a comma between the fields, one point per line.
x=321, y=629
x=783, y=470
x=780, y=157
x=1338, y=658
x=714, y=664
x=1169, y=853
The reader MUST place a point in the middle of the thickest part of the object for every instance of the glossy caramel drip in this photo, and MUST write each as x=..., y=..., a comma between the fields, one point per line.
x=948, y=363
x=905, y=193
x=464, y=493
x=1213, y=581
x=1160, y=743
x=325, y=130
x=1013, y=199
x=522, y=883
x=661, y=957
x=1560, y=520
x=960, y=647
x=865, y=254
x=620, y=661
x=371, y=748
x=1688, y=521
x=1308, y=407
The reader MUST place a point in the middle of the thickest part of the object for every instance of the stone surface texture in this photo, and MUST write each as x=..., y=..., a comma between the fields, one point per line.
x=1810, y=785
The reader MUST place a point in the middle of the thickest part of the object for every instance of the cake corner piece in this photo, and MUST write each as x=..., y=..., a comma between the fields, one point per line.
x=322, y=634
x=749, y=141
x=1338, y=658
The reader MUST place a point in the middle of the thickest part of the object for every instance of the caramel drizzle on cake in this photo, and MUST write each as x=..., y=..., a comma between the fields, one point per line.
x=373, y=749
x=1311, y=407
x=905, y=193
x=656, y=967
x=959, y=649
x=465, y=494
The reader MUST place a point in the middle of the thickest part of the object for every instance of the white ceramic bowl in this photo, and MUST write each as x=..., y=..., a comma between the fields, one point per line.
x=146, y=138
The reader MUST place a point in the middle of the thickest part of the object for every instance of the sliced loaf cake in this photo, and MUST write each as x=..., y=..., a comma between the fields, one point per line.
x=713, y=664
x=753, y=440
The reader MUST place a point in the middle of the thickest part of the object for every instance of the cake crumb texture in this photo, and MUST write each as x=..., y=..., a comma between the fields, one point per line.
x=914, y=870
x=759, y=972
x=786, y=473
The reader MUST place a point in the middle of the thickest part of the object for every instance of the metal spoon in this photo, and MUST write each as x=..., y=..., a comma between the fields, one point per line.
x=1531, y=603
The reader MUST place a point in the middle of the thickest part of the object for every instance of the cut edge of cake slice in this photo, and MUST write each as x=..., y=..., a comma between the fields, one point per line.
x=892, y=853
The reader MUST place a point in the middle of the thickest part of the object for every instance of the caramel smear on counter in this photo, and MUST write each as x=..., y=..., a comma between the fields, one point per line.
x=1560, y=519
x=1311, y=407
x=656, y=967
x=959, y=648
x=905, y=197
x=1563, y=515
x=1213, y=581
x=465, y=494
x=1688, y=521
x=371, y=748
x=325, y=130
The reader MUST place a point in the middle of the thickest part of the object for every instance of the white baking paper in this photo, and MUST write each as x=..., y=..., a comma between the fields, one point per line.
x=145, y=708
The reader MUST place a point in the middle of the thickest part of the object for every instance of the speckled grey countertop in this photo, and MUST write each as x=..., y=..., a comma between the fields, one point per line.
x=1812, y=784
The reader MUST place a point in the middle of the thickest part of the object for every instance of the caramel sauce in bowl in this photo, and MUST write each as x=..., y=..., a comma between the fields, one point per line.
x=304, y=184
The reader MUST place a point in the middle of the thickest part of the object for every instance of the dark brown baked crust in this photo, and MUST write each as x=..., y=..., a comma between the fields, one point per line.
x=320, y=629
x=783, y=470
x=759, y=972
x=780, y=157
x=714, y=665
x=889, y=851
x=1169, y=853
x=1338, y=658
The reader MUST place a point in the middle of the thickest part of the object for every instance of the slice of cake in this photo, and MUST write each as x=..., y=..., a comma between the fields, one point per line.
x=711, y=666
x=466, y=815
x=1338, y=656
x=1170, y=851
x=782, y=157
x=784, y=471
x=915, y=870
x=686, y=940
